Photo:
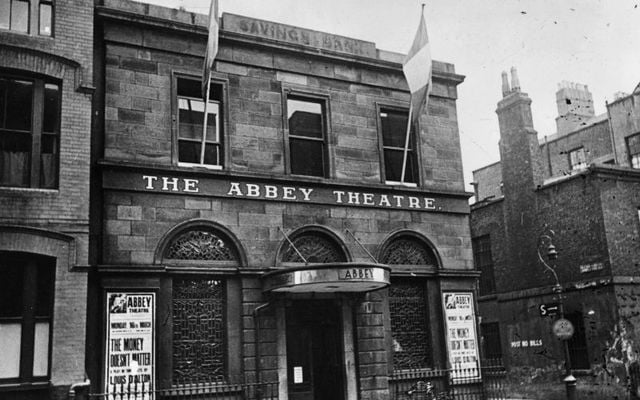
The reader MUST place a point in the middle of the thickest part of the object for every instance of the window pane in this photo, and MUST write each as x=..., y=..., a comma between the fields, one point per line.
x=41, y=349
x=45, y=19
x=19, y=99
x=305, y=118
x=11, y=287
x=44, y=287
x=393, y=166
x=10, y=345
x=211, y=154
x=20, y=16
x=51, y=108
x=5, y=12
x=394, y=128
x=189, y=151
x=15, y=158
x=49, y=161
x=306, y=157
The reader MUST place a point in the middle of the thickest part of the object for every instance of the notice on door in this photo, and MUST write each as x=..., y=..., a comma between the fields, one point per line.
x=129, y=359
x=462, y=339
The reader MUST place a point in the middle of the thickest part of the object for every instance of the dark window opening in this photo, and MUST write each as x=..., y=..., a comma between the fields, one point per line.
x=394, y=131
x=633, y=148
x=484, y=263
x=491, y=344
x=578, y=351
x=191, y=110
x=307, y=147
x=26, y=309
x=29, y=132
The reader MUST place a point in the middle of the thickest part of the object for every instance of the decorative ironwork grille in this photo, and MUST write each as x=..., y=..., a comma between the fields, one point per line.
x=200, y=245
x=408, y=251
x=408, y=309
x=198, y=330
x=315, y=248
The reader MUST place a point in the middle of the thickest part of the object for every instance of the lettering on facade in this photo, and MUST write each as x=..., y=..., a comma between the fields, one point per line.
x=299, y=36
x=517, y=344
x=280, y=192
x=355, y=274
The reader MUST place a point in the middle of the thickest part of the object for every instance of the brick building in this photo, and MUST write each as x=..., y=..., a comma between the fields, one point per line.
x=581, y=188
x=46, y=84
x=285, y=250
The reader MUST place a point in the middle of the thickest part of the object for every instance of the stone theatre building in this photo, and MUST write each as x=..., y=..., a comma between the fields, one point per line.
x=280, y=247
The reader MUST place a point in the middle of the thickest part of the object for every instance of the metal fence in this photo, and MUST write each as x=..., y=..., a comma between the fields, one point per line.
x=488, y=383
x=200, y=391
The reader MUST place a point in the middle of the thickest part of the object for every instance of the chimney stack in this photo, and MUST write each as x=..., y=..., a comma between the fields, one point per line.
x=505, y=84
x=515, y=82
x=575, y=106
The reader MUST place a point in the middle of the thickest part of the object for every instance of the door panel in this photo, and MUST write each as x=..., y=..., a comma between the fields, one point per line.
x=314, y=351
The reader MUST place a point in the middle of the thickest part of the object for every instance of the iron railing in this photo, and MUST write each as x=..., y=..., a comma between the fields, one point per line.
x=200, y=391
x=456, y=383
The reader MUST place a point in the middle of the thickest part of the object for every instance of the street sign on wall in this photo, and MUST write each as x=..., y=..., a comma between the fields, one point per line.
x=548, y=309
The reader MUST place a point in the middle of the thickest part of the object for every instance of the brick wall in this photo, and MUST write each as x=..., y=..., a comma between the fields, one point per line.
x=595, y=139
x=625, y=121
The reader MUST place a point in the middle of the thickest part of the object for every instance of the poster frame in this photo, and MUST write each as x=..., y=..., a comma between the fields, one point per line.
x=107, y=336
x=446, y=312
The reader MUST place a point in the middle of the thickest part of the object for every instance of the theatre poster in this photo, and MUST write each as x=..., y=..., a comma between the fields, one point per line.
x=462, y=338
x=130, y=364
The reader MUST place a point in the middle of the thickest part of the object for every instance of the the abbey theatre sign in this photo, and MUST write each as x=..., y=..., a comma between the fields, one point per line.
x=288, y=192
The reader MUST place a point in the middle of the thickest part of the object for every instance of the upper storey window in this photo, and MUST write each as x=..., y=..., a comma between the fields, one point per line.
x=191, y=138
x=29, y=132
x=20, y=15
x=577, y=159
x=307, y=137
x=633, y=147
x=393, y=125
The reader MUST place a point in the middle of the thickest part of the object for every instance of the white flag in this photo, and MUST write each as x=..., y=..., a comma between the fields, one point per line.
x=212, y=48
x=417, y=69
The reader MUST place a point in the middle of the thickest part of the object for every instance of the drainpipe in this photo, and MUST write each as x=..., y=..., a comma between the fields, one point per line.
x=80, y=386
x=256, y=323
x=612, y=135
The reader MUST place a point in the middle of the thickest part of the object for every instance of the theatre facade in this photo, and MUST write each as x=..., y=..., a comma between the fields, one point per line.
x=281, y=248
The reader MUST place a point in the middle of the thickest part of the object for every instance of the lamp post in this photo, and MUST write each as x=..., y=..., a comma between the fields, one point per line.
x=562, y=328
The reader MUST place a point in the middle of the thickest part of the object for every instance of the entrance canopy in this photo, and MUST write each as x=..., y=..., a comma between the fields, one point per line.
x=328, y=278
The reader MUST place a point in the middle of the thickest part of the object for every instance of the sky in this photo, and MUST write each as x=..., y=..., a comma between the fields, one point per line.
x=591, y=42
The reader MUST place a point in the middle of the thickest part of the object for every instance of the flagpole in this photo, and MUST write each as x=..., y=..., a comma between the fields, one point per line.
x=406, y=144
x=206, y=116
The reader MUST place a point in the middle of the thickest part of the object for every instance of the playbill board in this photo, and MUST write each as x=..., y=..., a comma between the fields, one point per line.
x=462, y=338
x=130, y=364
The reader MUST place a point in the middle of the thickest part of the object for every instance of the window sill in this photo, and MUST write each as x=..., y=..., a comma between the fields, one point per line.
x=205, y=166
x=396, y=183
x=20, y=386
x=28, y=190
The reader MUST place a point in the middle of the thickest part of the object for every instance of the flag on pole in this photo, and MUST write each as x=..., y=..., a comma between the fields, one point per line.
x=212, y=48
x=417, y=69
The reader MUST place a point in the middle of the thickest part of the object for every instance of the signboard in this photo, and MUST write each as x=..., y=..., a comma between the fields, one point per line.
x=297, y=36
x=548, y=309
x=563, y=329
x=462, y=338
x=382, y=197
x=130, y=364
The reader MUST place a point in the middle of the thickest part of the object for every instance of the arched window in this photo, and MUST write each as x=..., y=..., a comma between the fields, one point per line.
x=201, y=244
x=199, y=329
x=408, y=250
x=315, y=246
x=408, y=305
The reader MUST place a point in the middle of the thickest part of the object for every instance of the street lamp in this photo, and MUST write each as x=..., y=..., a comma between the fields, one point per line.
x=562, y=327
